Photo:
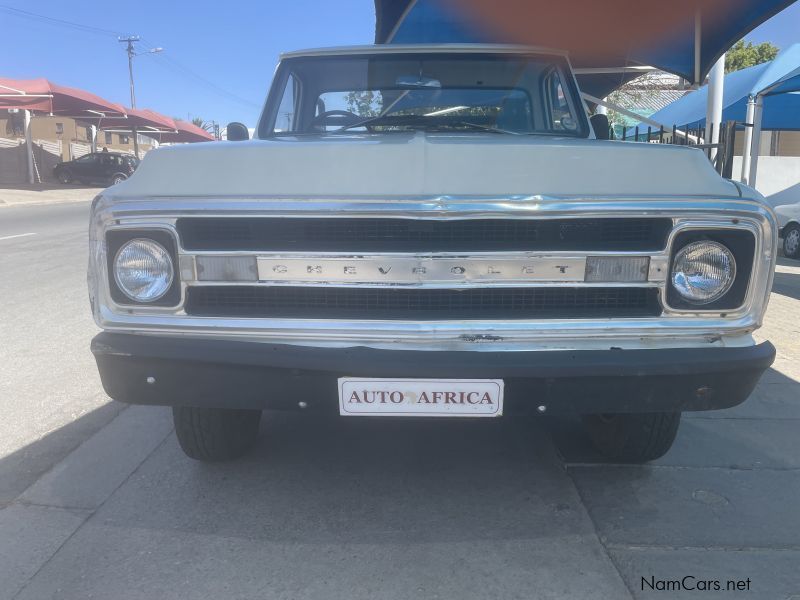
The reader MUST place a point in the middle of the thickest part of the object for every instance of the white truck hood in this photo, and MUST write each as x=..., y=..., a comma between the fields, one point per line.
x=424, y=164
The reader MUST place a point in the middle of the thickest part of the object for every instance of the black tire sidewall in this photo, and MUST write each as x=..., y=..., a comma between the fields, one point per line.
x=214, y=434
x=634, y=437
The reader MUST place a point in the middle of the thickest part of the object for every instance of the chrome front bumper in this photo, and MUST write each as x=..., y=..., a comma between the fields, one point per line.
x=238, y=374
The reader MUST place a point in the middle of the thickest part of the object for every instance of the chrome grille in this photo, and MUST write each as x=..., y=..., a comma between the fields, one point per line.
x=337, y=234
x=420, y=304
x=419, y=269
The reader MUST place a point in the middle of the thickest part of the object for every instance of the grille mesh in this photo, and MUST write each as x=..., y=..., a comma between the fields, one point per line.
x=409, y=235
x=420, y=304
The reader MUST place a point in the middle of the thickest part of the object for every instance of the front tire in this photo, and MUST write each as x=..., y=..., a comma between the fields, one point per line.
x=215, y=434
x=119, y=178
x=64, y=176
x=633, y=438
x=791, y=241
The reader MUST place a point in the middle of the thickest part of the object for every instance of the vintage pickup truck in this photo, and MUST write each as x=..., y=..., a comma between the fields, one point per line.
x=430, y=231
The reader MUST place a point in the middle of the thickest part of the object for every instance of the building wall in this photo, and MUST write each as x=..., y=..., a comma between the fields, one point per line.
x=788, y=143
x=74, y=135
x=773, y=143
x=778, y=178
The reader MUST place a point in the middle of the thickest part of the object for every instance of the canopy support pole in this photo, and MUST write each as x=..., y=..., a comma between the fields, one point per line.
x=29, y=146
x=758, y=118
x=93, y=129
x=748, y=139
x=698, y=47
x=716, y=90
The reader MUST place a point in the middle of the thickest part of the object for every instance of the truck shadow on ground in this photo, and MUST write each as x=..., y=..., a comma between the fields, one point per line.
x=331, y=479
x=787, y=284
x=22, y=468
x=757, y=433
x=356, y=496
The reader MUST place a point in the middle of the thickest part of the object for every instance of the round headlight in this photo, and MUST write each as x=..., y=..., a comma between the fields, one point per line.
x=143, y=270
x=703, y=272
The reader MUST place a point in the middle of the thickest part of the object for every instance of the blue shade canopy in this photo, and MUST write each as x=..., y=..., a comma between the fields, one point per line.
x=597, y=33
x=782, y=75
x=778, y=80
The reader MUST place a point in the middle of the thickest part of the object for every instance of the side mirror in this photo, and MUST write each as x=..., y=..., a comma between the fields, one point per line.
x=237, y=132
x=601, y=126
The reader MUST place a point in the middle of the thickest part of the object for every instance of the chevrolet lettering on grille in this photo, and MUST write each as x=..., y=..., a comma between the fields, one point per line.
x=428, y=269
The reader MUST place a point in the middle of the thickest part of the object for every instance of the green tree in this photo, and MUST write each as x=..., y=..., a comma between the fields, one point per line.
x=365, y=103
x=745, y=54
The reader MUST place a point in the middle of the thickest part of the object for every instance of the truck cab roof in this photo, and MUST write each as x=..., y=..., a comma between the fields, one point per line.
x=422, y=48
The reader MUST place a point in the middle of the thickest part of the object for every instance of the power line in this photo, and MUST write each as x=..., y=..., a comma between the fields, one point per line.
x=177, y=67
x=166, y=61
x=25, y=14
x=169, y=62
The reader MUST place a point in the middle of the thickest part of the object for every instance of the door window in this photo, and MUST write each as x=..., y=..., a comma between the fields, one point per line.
x=561, y=114
x=287, y=110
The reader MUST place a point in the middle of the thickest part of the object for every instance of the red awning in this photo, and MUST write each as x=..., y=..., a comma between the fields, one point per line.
x=187, y=132
x=145, y=120
x=43, y=96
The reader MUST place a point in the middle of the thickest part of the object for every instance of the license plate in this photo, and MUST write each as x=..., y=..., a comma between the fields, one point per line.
x=362, y=397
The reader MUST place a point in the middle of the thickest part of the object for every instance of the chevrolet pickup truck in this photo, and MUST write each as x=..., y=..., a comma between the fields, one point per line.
x=430, y=231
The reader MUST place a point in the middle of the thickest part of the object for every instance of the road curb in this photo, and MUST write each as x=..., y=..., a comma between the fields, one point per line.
x=45, y=195
x=5, y=204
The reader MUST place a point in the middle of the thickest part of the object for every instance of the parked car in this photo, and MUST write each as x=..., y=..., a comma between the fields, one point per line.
x=104, y=168
x=789, y=223
x=430, y=231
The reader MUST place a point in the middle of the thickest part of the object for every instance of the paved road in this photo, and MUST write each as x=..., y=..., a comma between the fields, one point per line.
x=49, y=391
x=329, y=508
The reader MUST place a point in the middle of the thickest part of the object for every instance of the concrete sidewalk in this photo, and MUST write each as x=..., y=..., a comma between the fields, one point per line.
x=19, y=195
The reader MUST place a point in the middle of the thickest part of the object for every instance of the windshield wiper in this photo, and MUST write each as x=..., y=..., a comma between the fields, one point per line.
x=400, y=120
x=424, y=122
x=481, y=127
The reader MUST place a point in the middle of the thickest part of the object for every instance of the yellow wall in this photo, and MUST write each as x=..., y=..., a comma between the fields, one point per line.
x=47, y=128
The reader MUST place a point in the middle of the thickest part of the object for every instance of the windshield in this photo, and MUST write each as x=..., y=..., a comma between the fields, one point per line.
x=516, y=94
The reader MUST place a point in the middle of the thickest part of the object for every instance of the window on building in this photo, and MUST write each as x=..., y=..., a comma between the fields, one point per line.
x=109, y=138
x=124, y=139
x=15, y=126
x=59, y=128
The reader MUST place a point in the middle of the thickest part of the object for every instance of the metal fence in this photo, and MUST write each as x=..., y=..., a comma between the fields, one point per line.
x=720, y=154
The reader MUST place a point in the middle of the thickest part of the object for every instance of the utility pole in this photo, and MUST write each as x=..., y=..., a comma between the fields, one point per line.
x=131, y=50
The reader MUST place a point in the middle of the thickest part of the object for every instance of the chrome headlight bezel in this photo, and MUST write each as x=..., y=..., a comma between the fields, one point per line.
x=741, y=244
x=164, y=243
x=161, y=281
x=713, y=252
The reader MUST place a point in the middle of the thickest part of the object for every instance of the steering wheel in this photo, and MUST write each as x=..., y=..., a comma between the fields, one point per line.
x=345, y=116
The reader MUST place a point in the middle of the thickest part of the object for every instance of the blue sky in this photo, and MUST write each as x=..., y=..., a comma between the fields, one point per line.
x=232, y=46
